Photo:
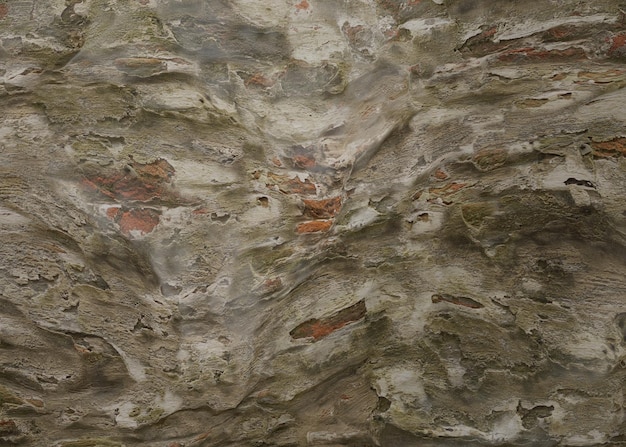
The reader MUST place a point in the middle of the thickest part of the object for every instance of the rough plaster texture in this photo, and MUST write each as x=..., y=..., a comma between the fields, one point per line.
x=316, y=222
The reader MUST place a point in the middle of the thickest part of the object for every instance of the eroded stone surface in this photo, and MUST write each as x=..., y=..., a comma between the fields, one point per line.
x=353, y=223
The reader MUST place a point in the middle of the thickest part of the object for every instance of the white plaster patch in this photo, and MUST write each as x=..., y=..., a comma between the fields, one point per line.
x=594, y=437
x=316, y=42
x=172, y=97
x=506, y=428
x=362, y=217
x=11, y=219
x=455, y=372
x=421, y=27
x=426, y=221
x=404, y=383
x=587, y=346
x=192, y=175
x=123, y=418
x=170, y=402
x=268, y=13
x=530, y=285
x=134, y=366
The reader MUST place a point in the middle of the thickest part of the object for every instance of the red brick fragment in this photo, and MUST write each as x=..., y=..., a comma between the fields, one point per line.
x=562, y=33
x=303, y=5
x=113, y=212
x=317, y=329
x=440, y=174
x=448, y=189
x=618, y=46
x=259, y=80
x=4, y=10
x=200, y=211
x=314, y=226
x=483, y=44
x=530, y=54
x=143, y=220
x=138, y=182
x=271, y=285
x=612, y=148
x=288, y=185
x=322, y=209
x=8, y=427
x=304, y=161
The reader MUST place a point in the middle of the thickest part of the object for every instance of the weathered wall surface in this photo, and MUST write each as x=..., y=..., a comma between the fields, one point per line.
x=288, y=223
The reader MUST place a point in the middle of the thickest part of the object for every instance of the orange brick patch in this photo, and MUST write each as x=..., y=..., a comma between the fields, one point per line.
x=140, y=182
x=304, y=161
x=143, y=220
x=448, y=189
x=319, y=328
x=314, y=226
x=293, y=185
x=618, y=46
x=303, y=5
x=530, y=54
x=322, y=209
x=612, y=148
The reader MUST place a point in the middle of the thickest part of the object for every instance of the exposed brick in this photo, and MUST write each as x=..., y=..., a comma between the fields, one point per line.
x=618, y=46
x=293, y=185
x=612, y=148
x=138, y=182
x=8, y=427
x=303, y=5
x=483, y=44
x=270, y=285
x=559, y=33
x=564, y=33
x=530, y=54
x=319, y=328
x=259, y=80
x=202, y=211
x=4, y=10
x=322, y=209
x=113, y=212
x=448, y=189
x=314, y=226
x=143, y=220
x=304, y=161
x=440, y=174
